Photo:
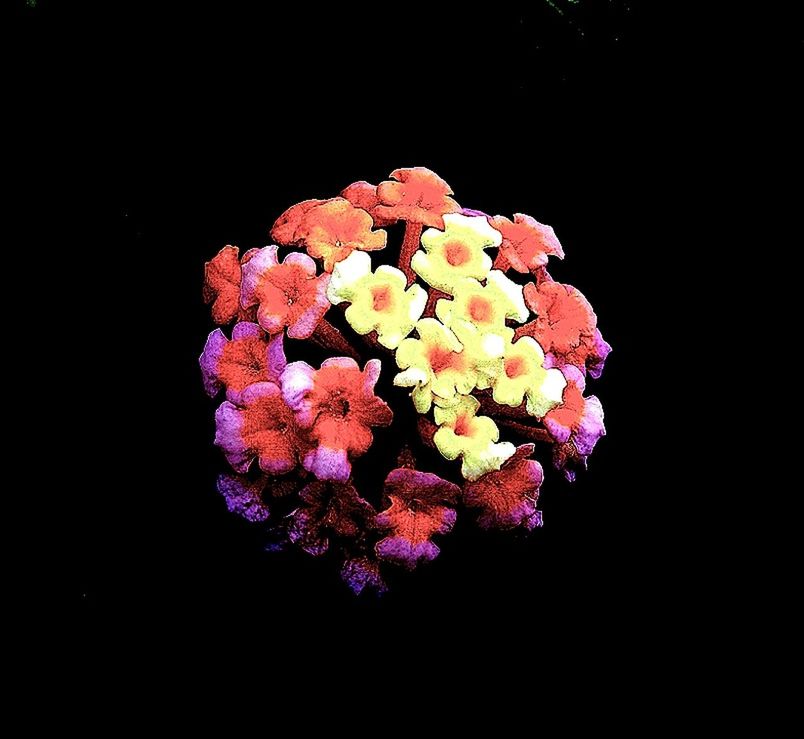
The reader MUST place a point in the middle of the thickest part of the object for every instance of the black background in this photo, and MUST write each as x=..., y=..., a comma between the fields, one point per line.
x=171, y=131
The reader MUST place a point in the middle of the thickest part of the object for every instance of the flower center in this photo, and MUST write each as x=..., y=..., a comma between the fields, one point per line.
x=456, y=253
x=441, y=358
x=463, y=426
x=515, y=366
x=480, y=309
x=381, y=296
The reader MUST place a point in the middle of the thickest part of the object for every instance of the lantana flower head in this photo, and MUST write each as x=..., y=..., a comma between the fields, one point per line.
x=300, y=439
x=456, y=252
x=289, y=294
x=379, y=301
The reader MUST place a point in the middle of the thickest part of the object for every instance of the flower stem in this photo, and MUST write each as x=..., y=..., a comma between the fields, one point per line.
x=503, y=411
x=529, y=432
x=427, y=430
x=329, y=337
x=501, y=261
x=432, y=296
x=410, y=243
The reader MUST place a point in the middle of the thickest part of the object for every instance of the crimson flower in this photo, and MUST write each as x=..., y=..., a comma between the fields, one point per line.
x=337, y=407
x=526, y=243
x=507, y=497
x=565, y=327
x=287, y=294
x=421, y=505
x=260, y=426
x=417, y=195
x=251, y=356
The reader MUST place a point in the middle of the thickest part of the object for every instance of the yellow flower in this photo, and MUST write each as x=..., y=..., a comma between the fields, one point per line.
x=379, y=301
x=523, y=375
x=434, y=365
x=464, y=434
x=484, y=306
x=455, y=252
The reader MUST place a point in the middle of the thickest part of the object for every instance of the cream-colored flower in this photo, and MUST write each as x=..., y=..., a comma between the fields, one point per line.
x=379, y=301
x=455, y=252
x=462, y=433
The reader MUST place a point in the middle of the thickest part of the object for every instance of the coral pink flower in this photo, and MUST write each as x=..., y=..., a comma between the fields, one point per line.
x=287, y=294
x=421, y=505
x=507, y=498
x=337, y=406
x=260, y=426
x=526, y=243
x=577, y=425
x=565, y=327
x=222, y=275
x=329, y=229
x=251, y=356
x=363, y=195
x=417, y=195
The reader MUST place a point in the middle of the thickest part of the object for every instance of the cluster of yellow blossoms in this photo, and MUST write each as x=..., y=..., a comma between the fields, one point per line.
x=467, y=346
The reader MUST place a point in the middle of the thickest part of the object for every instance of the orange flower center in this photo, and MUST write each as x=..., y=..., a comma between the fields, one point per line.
x=480, y=309
x=441, y=359
x=515, y=366
x=463, y=426
x=456, y=253
x=381, y=296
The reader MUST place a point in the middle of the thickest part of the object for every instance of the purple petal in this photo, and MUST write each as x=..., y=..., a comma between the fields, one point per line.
x=209, y=359
x=597, y=359
x=400, y=550
x=328, y=464
x=244, y=497
x=228, y=425
x=360, y=573
x=253, y=271
x=307, y=321
x=246, y=330
x=591, y=427
x=301, y=260
x=297, y=380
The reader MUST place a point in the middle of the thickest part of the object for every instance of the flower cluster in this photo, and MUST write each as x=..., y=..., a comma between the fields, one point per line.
x=486, y=346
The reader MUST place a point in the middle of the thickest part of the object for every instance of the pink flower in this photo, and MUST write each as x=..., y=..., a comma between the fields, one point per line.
x=526, y=243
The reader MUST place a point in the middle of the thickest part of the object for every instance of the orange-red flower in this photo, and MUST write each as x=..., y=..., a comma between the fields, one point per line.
x=363, y=195
x=330, y=230
x=526, y=243
x=417, y=195
x=222, y=275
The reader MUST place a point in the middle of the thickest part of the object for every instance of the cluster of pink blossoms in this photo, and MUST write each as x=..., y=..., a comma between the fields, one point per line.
x=477, y=353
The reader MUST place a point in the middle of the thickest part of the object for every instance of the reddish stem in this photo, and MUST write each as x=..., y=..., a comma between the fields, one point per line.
x=501, y=261
x=504, y=411
x=427, y=430
x=433, y=295
x=329, y=337
x=529, y=432
x=413, y=235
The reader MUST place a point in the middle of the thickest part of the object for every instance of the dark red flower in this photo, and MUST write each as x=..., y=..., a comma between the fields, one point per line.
x=329, y=509
x=421, y=505
x=361, y=572
x=415, y=194
x=507, y=498
x=246, y=497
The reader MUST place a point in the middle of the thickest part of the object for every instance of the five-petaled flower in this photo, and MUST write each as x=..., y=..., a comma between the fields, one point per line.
x=576, y=425
x=337, y=407
x=260, y=426
x=526, y=243
x=416, y=195
x=565, y=327
x=507, y=497
x=523, y=375
x=287, y=294
x=434, y=365
x=379, y=301
x=420, y=505
x=456, y=252
x=462, y=433
x=251, y=356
